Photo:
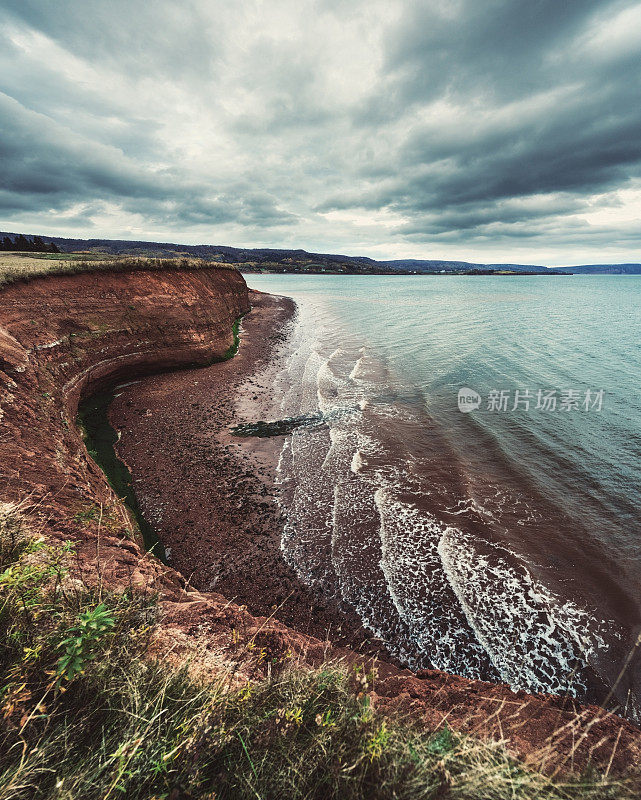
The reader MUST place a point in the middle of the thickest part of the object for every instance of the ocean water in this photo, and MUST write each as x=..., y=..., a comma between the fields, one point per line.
x=502, y=542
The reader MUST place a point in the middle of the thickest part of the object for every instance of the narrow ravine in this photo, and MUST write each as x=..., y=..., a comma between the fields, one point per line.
x=100, y=438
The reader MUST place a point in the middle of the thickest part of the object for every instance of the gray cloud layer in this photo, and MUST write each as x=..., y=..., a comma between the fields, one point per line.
x=496, y=130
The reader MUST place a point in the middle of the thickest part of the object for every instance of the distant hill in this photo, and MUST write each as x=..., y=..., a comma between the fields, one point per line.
x=248, y=259
x=301, y=261
x=603, y=269
x=458, y=266
x=417, y=265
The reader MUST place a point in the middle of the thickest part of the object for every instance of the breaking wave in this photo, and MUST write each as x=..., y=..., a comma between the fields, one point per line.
x=400, y=536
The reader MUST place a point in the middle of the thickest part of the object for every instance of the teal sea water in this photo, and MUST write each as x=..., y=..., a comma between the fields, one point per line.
x=504, y=542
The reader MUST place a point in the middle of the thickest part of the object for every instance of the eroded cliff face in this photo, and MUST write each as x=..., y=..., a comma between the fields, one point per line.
x=64, y=337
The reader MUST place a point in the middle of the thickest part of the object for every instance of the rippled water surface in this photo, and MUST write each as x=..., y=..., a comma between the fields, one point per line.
x=502, y=543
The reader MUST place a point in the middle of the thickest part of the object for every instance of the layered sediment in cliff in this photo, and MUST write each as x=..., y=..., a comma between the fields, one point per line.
x=65, y=337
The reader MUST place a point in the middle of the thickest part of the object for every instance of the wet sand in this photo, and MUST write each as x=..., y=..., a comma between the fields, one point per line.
x=210, y=495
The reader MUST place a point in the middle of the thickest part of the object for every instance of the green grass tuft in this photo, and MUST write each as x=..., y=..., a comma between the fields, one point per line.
x=233, y=347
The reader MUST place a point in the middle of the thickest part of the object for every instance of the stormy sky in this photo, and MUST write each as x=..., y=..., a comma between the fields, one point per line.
x=499, y=130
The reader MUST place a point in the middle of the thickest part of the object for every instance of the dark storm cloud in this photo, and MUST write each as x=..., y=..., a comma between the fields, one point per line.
x=40, y=158
x=45, y=165
x=388, y=125
x=507, y=101
x=504, y=48
x=585, y=147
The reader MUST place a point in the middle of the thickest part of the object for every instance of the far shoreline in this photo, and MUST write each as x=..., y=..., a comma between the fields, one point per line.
x=399, y=274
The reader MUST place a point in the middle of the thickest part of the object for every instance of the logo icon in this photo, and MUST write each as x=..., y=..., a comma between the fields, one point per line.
x=468, y=400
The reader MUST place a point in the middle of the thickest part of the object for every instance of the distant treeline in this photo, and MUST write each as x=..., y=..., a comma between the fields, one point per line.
x=24, y=245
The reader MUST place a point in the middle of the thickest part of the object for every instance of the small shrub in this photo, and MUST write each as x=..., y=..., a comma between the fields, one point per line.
x=82, y=640
x=442, y=742
x=89, y=514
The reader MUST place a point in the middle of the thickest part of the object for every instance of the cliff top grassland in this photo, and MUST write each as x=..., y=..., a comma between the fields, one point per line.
x=17, y=266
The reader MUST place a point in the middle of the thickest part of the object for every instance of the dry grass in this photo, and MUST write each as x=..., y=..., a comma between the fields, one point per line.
x=120, y=724
x=27, y=266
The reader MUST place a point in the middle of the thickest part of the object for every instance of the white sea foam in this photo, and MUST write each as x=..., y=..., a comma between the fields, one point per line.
x=460, y=604
x=296, y=382
x=469, y=506
x=421, y=592
x=357, y=462
x=356, y=559
x=306, y=539
x=435, y=592
x=282, y=471
x=536, y=640
x=423, y=586
x=358, y=370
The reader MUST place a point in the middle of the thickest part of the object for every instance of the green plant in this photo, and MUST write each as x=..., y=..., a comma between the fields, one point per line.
x=442, y=741
x=378, y=741
x=82, y=640
x=233, y=347
x=90, y=513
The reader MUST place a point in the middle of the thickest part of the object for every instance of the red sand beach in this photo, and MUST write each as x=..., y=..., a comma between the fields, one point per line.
x=210, y=495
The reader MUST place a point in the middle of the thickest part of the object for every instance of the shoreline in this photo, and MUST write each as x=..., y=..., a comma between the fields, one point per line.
x=398, y=273
x=121, y=326
x=211, y=496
